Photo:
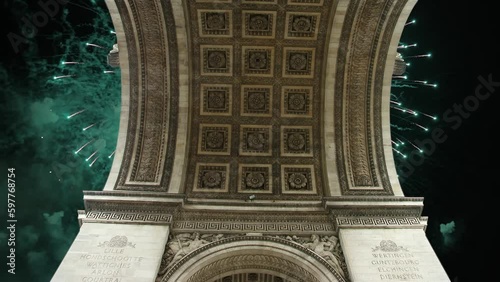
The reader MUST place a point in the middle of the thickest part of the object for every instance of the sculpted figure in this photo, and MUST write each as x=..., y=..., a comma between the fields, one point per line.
x=328, y=248
x=180, y=249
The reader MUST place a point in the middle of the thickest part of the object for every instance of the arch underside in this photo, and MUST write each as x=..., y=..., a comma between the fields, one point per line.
x=277, y=98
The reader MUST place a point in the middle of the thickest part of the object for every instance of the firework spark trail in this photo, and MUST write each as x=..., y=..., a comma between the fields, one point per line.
x=64, y=76
x=397, y=151
x=90, y=157
x=419, y=56
x=411, y=22
x=421, y=126
x=90, y=126
x=84, y=145
x=95, y=45
x=92, y=163
x=77, y=113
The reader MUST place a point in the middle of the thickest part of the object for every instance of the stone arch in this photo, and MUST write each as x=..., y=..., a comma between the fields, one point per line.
x=276, y=256
x=125, y=93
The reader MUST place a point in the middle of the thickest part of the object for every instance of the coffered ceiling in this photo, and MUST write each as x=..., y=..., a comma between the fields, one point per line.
x=256, y=92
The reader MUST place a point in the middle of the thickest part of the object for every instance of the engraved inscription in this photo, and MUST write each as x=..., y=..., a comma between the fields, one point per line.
x=395, y=262
x=112, y=263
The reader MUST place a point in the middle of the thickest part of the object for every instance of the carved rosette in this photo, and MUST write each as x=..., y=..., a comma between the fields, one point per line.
x=212, y=178
x=256, y=100
x=302, y=26
x=259, y=24
x=298, y=179
x=255, y=179
x=255, y=140
x=215, y=23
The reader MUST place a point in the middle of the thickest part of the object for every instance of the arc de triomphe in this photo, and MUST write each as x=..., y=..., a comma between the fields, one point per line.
x=254, y=145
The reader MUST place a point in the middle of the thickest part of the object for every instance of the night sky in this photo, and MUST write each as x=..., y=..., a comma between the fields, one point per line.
x=456, y=177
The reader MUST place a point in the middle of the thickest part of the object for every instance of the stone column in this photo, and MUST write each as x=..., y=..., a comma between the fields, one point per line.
x=111, y=252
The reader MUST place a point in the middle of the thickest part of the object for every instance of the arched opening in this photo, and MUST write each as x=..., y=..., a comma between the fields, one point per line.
x=251, y=257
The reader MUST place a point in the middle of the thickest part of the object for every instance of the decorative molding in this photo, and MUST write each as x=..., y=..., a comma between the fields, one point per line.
x=134, y=206
x=384, y=222
x=364, y=44
x=306, y=2
x=148, y=158
x=249, y=227
x=127, y=217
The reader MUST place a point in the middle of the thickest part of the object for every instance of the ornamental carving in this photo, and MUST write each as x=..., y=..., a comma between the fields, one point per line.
x=327, y=247
x=215, y=23
x=259, y=24
x=298, y=179
x=389, y=246
x=255, y=178
x=302, y=26
x=298, y=62
x=117, y=242
x=260, y=81
x=296, y=101
x=216, y=99
x=182, y=244
x=214, y=139
x=182, y=247
x=296, y=141
x=217, y=60
x=258, y=60
x=212, y=177
x=256, y=100
x=255, y=140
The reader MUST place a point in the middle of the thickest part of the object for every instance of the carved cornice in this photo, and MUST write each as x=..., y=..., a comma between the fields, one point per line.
x=152, y=49
x=249, y=227
x=131, y=206
x=127, y=217
x=253, y=221
x=381, y=222
x=374, y=206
